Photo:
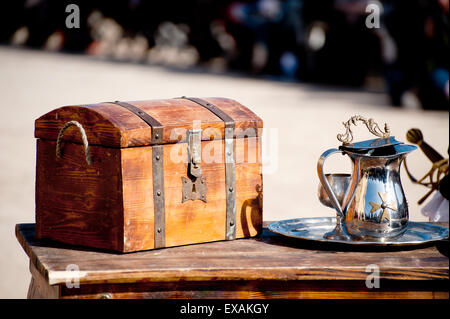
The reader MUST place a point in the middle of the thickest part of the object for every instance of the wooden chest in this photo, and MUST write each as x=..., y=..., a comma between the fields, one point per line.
x=130, y=176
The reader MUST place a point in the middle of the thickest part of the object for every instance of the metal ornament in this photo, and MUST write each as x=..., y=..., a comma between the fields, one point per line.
x=384, y=206
x=371, y=125
x=193, y=189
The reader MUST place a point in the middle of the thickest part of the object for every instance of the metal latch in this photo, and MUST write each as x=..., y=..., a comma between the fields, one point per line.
x=194, y=141
x=194, y=185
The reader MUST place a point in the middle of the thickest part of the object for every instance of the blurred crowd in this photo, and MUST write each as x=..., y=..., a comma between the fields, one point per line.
x=326, y=41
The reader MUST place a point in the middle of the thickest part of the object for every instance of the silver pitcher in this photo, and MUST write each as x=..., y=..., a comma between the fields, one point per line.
x=373, y=205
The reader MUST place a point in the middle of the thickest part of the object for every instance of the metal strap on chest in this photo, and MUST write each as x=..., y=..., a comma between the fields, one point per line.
x=230, y=166
x=157, y=128
x=157, y=169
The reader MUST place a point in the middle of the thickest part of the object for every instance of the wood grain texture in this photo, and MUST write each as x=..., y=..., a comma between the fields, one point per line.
x=191, y=221
x=268, y=257
x=111, y=125
x=39, y=287
x=77, y=203
x=109, y=204
x=275, y=289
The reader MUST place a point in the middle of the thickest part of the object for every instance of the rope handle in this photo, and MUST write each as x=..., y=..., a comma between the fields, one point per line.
x=83, y=138
x=372, y=126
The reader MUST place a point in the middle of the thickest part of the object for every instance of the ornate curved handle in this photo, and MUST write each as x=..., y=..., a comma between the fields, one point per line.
x=372, y=126
x=83, y=138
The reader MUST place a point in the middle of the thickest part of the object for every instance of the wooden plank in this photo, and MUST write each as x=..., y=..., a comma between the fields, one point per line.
x=110, y=125
x=39, y=287
x=267, y=257
x=275, y=289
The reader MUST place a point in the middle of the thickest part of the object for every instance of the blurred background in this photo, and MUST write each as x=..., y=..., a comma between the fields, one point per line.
x=325, y=41
x=303, y=66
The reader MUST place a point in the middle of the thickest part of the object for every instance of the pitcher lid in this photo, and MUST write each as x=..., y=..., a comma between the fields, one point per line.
x=370, y=144
x=384, y=145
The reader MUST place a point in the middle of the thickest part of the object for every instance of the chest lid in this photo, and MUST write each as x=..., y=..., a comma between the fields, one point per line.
x=142, y=123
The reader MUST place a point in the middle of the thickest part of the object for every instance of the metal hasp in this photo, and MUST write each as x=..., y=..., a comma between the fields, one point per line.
x=230, y=166
x=157, y=169
x=194, y=186
x=194, y=142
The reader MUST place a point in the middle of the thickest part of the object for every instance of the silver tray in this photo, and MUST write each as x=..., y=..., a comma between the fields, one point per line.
x=314, y=228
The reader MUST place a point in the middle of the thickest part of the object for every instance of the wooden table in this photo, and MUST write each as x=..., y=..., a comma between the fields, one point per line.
x=269, y=266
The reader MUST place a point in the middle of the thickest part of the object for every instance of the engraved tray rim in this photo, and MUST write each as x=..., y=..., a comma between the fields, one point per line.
x=433, y=232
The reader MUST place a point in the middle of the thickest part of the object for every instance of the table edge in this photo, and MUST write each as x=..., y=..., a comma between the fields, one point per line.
x=204, y=274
